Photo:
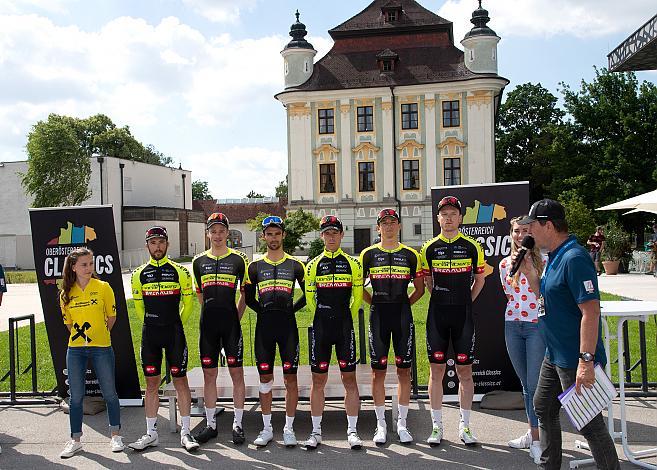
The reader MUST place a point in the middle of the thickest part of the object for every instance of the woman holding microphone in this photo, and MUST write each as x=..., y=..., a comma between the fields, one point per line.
x=89, y=312
x=523, y=340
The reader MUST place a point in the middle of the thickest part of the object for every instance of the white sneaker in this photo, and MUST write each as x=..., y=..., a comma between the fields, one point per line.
x=289, y=438
x=436, y=436
x=522, y=442
x=404, y=436
x=381, y=435
x=535, y=452
x=188, y=442
x=145, y=441
x=71, y=448
x=465, y=434
x=355, y=442
x=264, y=438
x=314, y=440
x=116, y=444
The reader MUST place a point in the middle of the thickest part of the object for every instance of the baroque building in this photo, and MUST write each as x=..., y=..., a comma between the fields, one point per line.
x=392, y=110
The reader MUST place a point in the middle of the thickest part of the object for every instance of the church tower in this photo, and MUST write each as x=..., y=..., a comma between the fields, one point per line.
x=480, y=44
x=298, y=56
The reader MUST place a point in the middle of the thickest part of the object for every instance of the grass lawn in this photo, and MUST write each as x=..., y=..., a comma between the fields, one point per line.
x=46, y=379
x=20, y=277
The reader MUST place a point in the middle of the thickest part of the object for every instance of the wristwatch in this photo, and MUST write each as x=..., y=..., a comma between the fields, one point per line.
x=586, y=356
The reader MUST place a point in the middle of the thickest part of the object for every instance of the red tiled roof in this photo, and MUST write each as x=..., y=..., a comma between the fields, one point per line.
x=240, y=213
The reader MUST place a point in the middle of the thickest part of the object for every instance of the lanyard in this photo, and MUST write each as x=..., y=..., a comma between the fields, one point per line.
x=553, y=261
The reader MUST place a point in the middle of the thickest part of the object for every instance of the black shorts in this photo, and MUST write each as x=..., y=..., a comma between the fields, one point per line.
x=327, y=331
x=220, y=329
x=453, y=323
x=276, y=328
x=171, y=338
x=394, y=320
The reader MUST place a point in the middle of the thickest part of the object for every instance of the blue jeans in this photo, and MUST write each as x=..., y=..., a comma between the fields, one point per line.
x=526, y=349
x=103, y=366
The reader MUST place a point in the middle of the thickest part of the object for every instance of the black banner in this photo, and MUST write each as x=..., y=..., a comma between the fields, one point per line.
x=487, y=210
x=55, y=233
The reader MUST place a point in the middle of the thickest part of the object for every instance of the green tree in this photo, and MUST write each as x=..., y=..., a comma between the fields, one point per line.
x=253, y=194
x=58, y=168
x=297, y=224
x=200, y=191
x=281, y=189
x=580, y=218
x=528, y=122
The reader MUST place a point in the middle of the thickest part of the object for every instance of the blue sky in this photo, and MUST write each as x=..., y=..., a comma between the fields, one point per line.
x=196, y=78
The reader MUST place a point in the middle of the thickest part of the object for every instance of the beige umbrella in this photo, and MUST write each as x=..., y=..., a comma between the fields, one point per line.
x=646, y=202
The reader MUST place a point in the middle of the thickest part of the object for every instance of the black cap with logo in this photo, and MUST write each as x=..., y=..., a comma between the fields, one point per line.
x=449, y=201
x=387, y=213
x=543, y=210
x=157, y=232
x=330, y=222
x=216, y=218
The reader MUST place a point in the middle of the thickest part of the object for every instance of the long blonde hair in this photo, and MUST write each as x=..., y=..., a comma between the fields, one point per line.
x=535, y=253
x=68, y=275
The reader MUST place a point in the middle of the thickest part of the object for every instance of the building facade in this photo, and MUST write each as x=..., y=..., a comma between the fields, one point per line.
x=141, y=195
x=392, y=110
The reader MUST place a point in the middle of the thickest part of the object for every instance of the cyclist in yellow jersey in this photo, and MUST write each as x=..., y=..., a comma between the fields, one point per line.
x=454, y=274
x=89, y=313
x=163, y=296
x=334, y=291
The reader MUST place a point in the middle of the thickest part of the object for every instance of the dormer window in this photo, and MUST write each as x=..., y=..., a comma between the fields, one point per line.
x=387, y=65
x=391, y=13
x=387, y=60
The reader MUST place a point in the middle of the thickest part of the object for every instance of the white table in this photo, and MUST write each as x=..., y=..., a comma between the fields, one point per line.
x=622, y=311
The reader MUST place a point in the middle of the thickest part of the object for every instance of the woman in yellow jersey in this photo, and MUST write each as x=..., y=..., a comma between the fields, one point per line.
x=89, y=312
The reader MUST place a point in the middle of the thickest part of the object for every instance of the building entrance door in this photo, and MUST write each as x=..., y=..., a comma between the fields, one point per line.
x=362, y=239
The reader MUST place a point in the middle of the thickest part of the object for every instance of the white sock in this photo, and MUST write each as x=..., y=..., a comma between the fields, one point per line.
x=465, y=417
x=352, y=421
x=403, y=413
x=186, y=421
x=380, y=415
x=437, y=418
x=210, y=417
x=151, y=426
x=289, y=422
x=237, y=418
x=317, y=424
x=266, y=421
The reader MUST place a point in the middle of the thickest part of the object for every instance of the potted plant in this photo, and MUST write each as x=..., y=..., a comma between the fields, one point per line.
x=617, y=243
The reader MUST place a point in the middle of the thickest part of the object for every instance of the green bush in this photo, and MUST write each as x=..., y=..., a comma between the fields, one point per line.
x=316, y=248
x=617, y=242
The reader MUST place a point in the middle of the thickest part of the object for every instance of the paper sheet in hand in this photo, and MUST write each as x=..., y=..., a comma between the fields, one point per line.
x=581, y=409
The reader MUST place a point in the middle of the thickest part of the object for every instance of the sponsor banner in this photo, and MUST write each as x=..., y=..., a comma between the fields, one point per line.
x=487, y=210
x=55, y=233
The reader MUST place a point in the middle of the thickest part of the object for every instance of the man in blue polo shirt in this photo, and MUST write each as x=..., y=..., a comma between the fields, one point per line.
x=569, y=319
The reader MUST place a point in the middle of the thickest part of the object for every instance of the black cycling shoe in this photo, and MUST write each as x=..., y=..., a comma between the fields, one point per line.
x=238, y=435
x=206, y=434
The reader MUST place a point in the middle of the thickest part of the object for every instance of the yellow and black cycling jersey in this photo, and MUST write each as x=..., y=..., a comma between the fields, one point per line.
x=87, y=313
x=332, y=280
x=452, y=263
x=162, y=291
x=390, y=271
x=270, y=285
x=217, y=278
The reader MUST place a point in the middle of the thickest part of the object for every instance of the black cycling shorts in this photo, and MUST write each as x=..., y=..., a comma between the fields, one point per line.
x=394, y=320
x=220, y=329
x=276, y=328
x=171, y=338
x=329, y=330
x=450, y=322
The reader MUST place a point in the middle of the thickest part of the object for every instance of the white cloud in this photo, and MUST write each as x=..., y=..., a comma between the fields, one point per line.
x=546, y=18
x=20, y=6
x=220, y=11
x=233, y=173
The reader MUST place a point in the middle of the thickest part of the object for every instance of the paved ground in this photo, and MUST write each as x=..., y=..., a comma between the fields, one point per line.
x=32, y=437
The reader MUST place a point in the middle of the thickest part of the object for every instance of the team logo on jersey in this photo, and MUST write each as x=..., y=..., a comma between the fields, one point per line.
x=287, y=365
x=265, y=366
x=439, y=355
x=588, y=285
x=174, y=370
x=343, y=364
x=383, y=361
x=323, y=365
x=461, y=357
x=150, y=369
x=231, y=360
x=206, y=361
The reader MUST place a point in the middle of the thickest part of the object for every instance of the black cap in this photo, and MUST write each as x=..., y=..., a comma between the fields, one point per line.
x=387, y=213
x=216, y=218
x=543, y=210
x=157, y=232
x=329, y=222
x=449, y=201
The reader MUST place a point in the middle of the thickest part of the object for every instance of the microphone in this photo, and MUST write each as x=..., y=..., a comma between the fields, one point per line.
x=527, y=244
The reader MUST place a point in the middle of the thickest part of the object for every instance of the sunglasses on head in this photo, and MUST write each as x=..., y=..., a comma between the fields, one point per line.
x=272, y=219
